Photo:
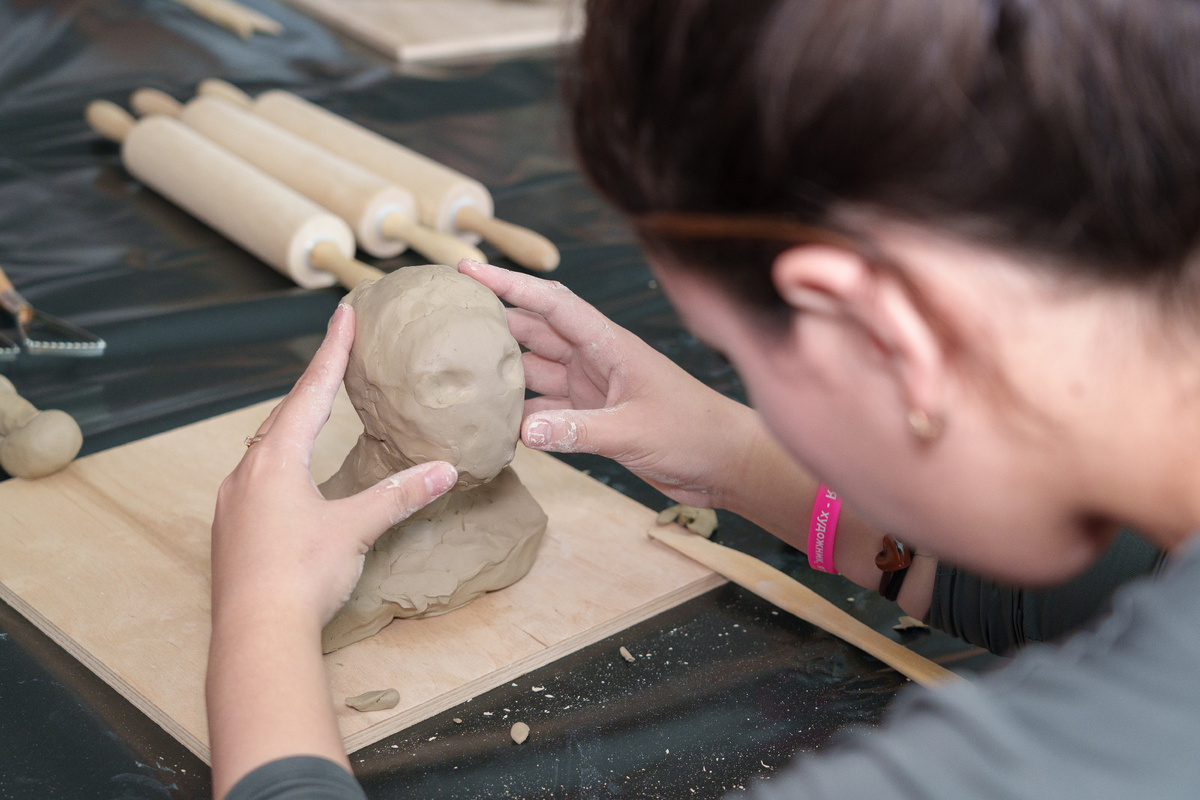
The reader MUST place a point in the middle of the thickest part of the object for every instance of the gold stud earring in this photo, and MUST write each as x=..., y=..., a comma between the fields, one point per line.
x=925, y=427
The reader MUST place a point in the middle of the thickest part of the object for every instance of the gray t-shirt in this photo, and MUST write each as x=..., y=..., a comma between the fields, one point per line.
x=1112, y=711
x=298, y=778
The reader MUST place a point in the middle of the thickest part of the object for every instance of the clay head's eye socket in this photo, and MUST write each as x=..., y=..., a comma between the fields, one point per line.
x=445, y=388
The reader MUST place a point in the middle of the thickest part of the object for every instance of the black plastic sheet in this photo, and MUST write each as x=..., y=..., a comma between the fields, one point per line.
x=724, y=688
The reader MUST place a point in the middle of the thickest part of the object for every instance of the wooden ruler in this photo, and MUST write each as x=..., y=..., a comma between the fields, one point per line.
x=110, y=558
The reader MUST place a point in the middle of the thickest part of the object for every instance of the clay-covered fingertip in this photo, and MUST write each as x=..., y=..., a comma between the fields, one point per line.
x=537, y=433
x=440, y=479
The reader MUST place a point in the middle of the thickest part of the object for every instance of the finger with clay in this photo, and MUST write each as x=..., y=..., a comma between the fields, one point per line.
x=284, y=559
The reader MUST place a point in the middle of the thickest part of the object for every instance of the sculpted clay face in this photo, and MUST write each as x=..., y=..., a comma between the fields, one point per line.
x=434, y=371
x=435, y=374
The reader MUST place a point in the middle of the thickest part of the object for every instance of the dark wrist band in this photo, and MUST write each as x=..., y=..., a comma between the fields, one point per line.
x=894, y=560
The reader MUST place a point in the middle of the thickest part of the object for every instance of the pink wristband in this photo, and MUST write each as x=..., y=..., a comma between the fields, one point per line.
x=822, y=529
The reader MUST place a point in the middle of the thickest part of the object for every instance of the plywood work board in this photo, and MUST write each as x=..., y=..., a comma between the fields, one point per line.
x=110, y=558
x=426, y=30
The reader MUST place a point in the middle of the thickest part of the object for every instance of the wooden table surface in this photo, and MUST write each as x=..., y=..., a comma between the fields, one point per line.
x=110, y=558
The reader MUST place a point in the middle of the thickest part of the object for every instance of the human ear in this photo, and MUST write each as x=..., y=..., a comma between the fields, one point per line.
x=870, y=305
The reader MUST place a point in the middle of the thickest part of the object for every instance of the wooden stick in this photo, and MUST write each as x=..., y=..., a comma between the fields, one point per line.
x=234, y=16
x=796, y=598
x=261, y=22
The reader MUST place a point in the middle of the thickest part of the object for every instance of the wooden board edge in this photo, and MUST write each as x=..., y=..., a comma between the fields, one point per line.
x=101, y=670
x=513, y=43
x=387, y=727
x=364, y=34
x=444, y=702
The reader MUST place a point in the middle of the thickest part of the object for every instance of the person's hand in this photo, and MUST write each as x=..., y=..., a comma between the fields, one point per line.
x=605, y=391
x=284, y=559
x=275, y=539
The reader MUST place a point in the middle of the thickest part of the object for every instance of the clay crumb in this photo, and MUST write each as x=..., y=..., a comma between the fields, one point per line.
x=625, y=654
x=378, y=700
x=697, y=520
x=907, y=623
x=519, y=732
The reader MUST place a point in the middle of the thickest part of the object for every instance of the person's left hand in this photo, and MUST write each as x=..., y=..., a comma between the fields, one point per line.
x=275, y=540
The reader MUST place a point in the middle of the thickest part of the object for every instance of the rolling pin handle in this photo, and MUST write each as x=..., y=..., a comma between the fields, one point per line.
x=350, y=272
x=440, y=248
x=530, y=250
x=109, y=120
x=153, y=101
x=214, y=87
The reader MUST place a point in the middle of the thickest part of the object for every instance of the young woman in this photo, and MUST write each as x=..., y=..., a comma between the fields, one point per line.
x=951, y=249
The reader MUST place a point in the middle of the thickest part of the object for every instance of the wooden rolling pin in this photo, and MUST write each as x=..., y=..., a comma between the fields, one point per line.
x=34, y=443
x=447, y=200
x=796, y=598
x=381, y=214
x=289, y=232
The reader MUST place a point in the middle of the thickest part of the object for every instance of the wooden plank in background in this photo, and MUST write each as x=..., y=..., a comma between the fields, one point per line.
x=110, y=558
x=425, y=30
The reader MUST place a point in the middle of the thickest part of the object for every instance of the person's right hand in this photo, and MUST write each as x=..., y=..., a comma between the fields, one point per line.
x=605, y=391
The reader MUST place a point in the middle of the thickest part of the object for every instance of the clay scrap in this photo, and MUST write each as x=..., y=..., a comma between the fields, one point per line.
x=697, y=520
x=378, y=700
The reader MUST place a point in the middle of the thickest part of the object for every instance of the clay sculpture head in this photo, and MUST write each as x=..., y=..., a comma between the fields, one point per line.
x=435, y=373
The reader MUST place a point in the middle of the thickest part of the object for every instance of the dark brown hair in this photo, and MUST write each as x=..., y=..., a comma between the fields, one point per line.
x=1060, y=128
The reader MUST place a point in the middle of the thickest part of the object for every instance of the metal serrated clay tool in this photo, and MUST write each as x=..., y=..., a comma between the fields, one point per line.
x=43, y=335
x=8, y=348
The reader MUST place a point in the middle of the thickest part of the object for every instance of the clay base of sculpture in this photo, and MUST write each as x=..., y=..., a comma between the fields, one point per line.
x=463, y=545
